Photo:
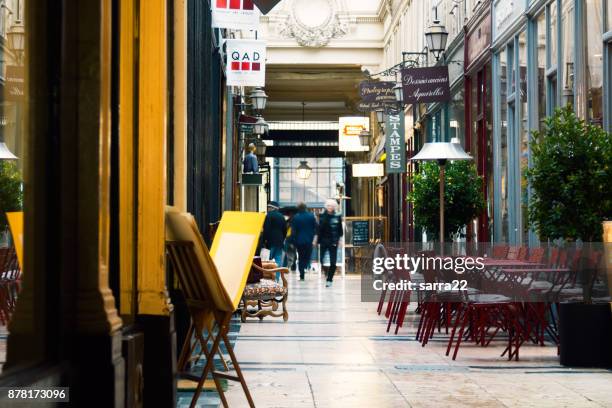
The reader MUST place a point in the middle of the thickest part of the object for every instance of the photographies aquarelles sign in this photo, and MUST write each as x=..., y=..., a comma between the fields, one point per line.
x=395, y=144
x=246, y=62
x=235, y=14
x=424, y=85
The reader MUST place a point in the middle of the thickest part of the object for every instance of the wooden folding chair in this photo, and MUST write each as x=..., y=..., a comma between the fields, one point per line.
x=210, y=296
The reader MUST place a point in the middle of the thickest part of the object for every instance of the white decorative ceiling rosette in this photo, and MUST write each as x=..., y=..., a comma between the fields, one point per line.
x=314, y=23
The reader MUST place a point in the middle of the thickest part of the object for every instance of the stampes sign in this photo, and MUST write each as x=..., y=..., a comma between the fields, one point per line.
x=424, y=85
x=395, y=144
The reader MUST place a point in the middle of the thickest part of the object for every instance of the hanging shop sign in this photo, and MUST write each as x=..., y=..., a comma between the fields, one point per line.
x=350, y=127
x=395, y=144
x=14, y=86
x=368, y=170
x=375, y=95
x=246, y=62
x=424, y=85
x=235, y=14
x=265, y=6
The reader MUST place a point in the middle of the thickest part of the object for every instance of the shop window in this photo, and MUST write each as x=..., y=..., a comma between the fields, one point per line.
x=542, y=65
x=594, y=60
x=523, y=134
x=457, y=116
x=567, y=25
x=608, y=15
x=504, y=120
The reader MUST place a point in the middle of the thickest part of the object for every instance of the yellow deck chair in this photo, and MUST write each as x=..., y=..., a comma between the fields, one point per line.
x=212, y=283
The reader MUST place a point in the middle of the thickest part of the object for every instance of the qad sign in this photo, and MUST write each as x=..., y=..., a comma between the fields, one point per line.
x=235, y=14
x=246, y=63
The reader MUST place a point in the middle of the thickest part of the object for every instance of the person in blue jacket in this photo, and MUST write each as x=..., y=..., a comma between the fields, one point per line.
x=303, y=231
x=250, y=165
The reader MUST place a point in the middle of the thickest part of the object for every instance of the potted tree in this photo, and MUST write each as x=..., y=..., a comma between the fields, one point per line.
x=570, y=177
x=462, y=195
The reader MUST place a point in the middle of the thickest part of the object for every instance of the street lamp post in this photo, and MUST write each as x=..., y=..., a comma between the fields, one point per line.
x=436, y=36
x=442, y=152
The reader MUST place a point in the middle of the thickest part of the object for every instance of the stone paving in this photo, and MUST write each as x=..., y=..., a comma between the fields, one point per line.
x=334, y=352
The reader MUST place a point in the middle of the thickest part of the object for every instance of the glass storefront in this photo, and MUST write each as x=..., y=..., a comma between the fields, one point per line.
x=320, y=186
x=542, y=51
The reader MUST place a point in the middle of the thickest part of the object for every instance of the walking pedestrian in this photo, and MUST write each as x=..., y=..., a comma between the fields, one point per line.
x=330, y=232
x=274, y=232
x=303, y=231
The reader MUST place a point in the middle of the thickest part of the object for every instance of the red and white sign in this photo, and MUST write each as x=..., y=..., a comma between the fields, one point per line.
x=246, y=63
x=235, y=14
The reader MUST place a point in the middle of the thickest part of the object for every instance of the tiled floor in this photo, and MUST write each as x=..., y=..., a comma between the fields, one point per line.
x=334, y=352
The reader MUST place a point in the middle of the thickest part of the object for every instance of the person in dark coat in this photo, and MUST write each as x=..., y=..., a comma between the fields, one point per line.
x=330, y=232
x=303, y=231
x=274, y=232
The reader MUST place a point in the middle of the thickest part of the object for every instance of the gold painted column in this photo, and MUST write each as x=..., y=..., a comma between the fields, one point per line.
x=155, y=311
x=180, y=104
x=152, y=293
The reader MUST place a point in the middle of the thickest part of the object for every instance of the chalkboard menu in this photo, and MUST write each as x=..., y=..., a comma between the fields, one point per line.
x=361, y=232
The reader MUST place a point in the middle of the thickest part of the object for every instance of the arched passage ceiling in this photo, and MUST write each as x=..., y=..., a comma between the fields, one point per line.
x=312, y=92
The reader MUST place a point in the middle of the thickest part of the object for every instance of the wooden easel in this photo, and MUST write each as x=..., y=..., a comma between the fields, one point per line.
x=204, y=317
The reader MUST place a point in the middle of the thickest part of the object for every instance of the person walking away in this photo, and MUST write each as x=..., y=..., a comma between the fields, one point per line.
x=330, y=232
x=303, y=231
x=289, y=260
x=274, y=232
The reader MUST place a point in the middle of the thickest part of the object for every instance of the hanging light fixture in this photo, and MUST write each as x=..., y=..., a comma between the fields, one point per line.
x=304, y=170
x=261, y=147
x=364, y=137
x=259, y=99
x=380, y=116
x=16, y=38
x=436, y=36
x=398, y=89
x=260, y=127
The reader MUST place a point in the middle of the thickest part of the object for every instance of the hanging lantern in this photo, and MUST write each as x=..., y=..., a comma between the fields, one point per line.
x=304, y=170
x=260, y=127
x=259, y=99
x=436, y=36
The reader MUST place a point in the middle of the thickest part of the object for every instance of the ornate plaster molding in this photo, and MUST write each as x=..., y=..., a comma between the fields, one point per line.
x=314, y=23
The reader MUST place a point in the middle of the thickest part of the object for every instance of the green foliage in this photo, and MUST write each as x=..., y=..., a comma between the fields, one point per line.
x=10, y=190
x=571, y=178
x=463, y=199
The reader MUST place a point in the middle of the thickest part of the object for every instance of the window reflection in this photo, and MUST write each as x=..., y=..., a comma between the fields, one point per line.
x=12, y=126
x=594, y=58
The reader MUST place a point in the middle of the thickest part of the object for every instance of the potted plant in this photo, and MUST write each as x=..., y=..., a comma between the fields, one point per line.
x=10, y=193
x=462, y=196
x=570, y=176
